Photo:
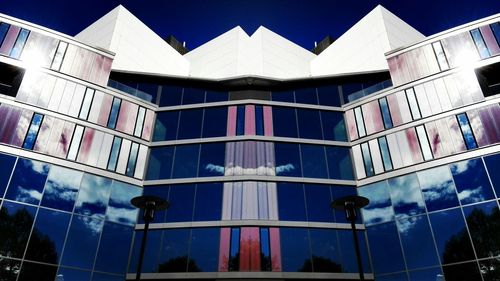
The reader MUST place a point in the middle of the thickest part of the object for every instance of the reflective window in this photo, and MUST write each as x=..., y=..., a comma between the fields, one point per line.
x=34, y=271
x=181, y=198
x=4, y=27
x=119, y=208
x=192, y=95
x=394, y=277
x=424, y=143
x=160, y=163
x=139, y=122
x=291, y=202
x=159, y=191
x=339, y=191
x=20, y=41
x=426, y=274
x=36, y=121
x=318, y=199
x=203, y=254
x=339, y=163
x=483, y=220
x=114, y=248
x=5, y=171
x=75, y=143
x=495, y=27
x=384, y=248
x=234, y=252
x=417, y=242
x=134, y=149
x=170, y=95
x=47, y=237
x=386, y=155
x=325, y=251
x=437, y=188
x=214, y=122
x=452, y=240
x=93, y=196
x=463, y=271
x=240, y=120
x=386, y=115
x=87, y=101
x=113, y=115
x=72, y=274
x=367, y=159
x=492, y=163
x=287, y=159
x=406, y=196
x=81, y=244
x=442, y=60
x=313, y=161
x=58, y=57
x=166, y=126
x=481, y=46
x=27, y=181
x=259, y=120
x=309, y=124
x=208, y=204
x=412, y=101
x=333, y=126
x=349, y=261
x=151, y=252
x=284, y=96
x=329, y=95
x=61, y=188
x=15, y=227
x=185, y=161
x=380, y=207
x=212, y=96
x=471, y=181
x=284, y=122
x=115, y=151
x=359, y=121
x=295, y=250
x=307, y=95
x=190, y=124
x=212, y=159
x=265, y=250
x=470, y=141
x=174, y=251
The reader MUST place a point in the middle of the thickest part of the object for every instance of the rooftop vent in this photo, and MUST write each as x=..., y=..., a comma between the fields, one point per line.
x=176, y=44
x=322, y=45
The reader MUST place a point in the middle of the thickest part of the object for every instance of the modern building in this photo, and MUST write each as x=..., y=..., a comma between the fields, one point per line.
x=250, y=138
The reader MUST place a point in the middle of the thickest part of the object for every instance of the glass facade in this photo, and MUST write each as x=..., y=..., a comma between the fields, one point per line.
x=249, y=174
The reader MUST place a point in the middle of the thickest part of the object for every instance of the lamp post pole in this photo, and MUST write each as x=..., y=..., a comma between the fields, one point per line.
x=350, y=204
x=149, y=204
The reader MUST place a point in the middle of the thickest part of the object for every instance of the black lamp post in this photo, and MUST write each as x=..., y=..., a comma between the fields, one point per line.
x=349, y=204
x=149, y=204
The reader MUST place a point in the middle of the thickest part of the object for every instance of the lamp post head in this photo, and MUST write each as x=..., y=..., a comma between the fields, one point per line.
x=150, y=204
x=349, y=204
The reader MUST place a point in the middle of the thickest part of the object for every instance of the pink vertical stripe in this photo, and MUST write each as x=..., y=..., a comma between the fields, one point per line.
x=412, y=139
x=148, y=124
x=489, y=123
x=225, y=239
x=55, y=135
x=132, y=117
x=96, y=68
x=107, y=101
x=10, y=124
x=10, y=40
x=478, y=129
x=268, y=121
x=229, y=160
x=270, y=160
x=351, y=124
x=65, y=139
x=231, y=121
x=250, y=119
x=254, y=249
x=434, y=140
x=392, y=101
x=456, y=134
x=121, y=123
x=83, y=154
x=274, y=237
x=105, y=70
x=490, y=40
x=245, y=238
x=22, y=128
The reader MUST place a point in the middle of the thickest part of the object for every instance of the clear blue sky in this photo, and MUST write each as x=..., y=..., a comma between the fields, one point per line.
x=198, y=21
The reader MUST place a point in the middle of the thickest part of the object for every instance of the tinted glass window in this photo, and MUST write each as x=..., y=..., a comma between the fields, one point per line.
x=212, y=96
x=339, y=191
x=214, y=122
x=481, y=46
x=325, y=251
x=265, y=250
x=240, y=120
x=212, y=159
x=284, y=122
x=291, y=202
x=7, y=163
x=16, y=221
x=287, y=159
x=464, y=271
x=119, y=208
x=113, y=115
x=339, y=163
x=451, y=236
x=34, y=271
x=151, y=252
x=417, y=242
x=349, y=260
x=307, y=95
x=471, y=181
x=234, y=252
x=284, y=96
x=18, y=46
x=27, y=181
x=482, y=220
x=438, y=188
x=295, y=249
x=186, y=161
x=385, y=248
x=190, y=124
x=181, y=198
x=380, y=207
x=47, y=237
x=93, y=196
x=470, y=141
x=160, y=163
x=208, y=204
x=115, y=152
x=192, y=95
x=309, y=124
x=386, y=115
x=72, y=274
x=61, y=188
x=367, y=159
x=318, y=199
x=386, y=155
x=203, y=255
x=29, y=142
x=166, y=126
x=426, y=274
x=333, y=126
x=492, y=163
x=329, y=95
x=4, y=27
x=406, y=196
x=313, y=161
x=81, y=244
x=159, y=191
x=114, y=248
x=170, y=95
x=259, y=120
x=174, y=251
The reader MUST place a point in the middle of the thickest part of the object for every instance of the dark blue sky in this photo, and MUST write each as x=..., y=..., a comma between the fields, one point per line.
x=198, y=21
